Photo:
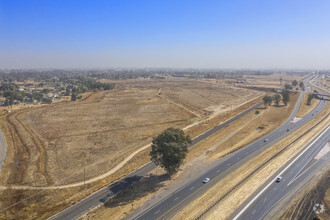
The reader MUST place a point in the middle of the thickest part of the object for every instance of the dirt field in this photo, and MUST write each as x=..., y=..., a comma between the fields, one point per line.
x=50, y=144
x=102, y=130
x=273, y=79
x=196, y=156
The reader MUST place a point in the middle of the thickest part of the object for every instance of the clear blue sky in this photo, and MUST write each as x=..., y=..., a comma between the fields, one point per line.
x=165, y=33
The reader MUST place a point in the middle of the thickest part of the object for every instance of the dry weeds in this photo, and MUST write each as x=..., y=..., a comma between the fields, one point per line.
x=224, y=208
x=304, y=108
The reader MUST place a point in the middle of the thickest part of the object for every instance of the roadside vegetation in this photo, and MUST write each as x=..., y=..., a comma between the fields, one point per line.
x=169, y=149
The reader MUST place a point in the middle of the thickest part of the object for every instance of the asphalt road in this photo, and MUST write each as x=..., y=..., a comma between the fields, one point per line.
x=293, y=173
x=183, y=196
x=105, y=193
x=3, y=150
x=233, y=161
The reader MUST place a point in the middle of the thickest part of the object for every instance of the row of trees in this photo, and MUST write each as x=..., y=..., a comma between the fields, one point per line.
x=295, y=83
x=285, y=96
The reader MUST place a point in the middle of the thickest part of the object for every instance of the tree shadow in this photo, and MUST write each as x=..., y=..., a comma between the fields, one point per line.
x=135, y=190
x=279, y=106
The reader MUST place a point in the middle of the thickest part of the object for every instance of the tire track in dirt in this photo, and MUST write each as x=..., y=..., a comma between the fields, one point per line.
x=21, y=154
x=42, y=160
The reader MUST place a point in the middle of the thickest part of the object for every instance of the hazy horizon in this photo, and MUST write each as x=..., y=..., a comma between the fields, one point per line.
x=165, y=34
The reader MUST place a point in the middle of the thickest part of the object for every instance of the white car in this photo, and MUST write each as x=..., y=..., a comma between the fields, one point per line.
x=279, y=179
x=206, y=180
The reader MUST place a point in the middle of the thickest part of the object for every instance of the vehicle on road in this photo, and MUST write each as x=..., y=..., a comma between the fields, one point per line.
x=266, y=140
x=288, y=129
x=279, y=179
x=206, y=180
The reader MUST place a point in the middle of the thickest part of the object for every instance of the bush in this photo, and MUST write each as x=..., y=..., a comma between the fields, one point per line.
x=257, y=112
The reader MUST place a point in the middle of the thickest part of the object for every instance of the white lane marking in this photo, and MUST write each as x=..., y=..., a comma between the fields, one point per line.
x=272, y=181
x=176, y=198
x=192, y=188
x=296, y=177
x=157, y=212
x=265, y=199
x=254, y=211
x=262, y=217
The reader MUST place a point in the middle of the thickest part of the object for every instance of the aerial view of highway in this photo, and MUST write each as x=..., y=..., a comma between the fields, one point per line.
x=142, y=110
x=183, y=196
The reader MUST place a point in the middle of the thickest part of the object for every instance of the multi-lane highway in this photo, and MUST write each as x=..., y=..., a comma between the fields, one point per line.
x=3, y=150
x=293, y=173
x=183, y=196
x=103, y=194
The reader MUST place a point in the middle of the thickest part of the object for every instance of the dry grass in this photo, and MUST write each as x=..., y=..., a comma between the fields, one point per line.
x=47, y=141
x=224, y=208
x=108, y=126
x=300, y=205
x=267, y=121
x=304, y=108
x=134, y=195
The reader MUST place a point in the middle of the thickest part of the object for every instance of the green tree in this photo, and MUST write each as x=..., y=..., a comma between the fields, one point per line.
x=277, y=99
x=47, y=100
x=301, y=85
x=310, y=98
x=67, y=92
x=286, y=96
x=287, y=86
x=9, y=101
x=267, y=100
x=294, y=83
x=73, y=97
x=169, y=149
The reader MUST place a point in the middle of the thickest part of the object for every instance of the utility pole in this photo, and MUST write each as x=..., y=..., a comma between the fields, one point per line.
x=84, y=176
